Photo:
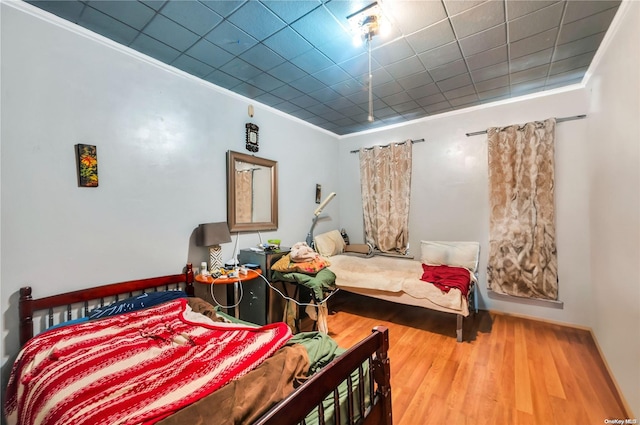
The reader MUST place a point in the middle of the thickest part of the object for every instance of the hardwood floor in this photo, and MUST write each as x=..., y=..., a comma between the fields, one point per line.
x=508, y=370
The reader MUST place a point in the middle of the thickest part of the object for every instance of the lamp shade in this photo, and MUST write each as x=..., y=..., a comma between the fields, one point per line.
x=211, y=234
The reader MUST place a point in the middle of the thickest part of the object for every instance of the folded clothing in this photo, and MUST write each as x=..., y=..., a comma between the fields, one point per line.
x=447, y=277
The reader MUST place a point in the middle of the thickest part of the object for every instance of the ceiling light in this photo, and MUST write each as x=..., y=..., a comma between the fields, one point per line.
x=364, y=24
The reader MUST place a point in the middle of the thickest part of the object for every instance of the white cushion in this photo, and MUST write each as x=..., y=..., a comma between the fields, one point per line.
x=457, y=254
x=330, y=243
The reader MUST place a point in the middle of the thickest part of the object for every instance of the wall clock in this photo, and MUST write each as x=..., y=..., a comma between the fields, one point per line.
x=252, y=137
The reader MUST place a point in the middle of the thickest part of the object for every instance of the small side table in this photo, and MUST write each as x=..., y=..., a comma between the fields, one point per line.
x=224, y=280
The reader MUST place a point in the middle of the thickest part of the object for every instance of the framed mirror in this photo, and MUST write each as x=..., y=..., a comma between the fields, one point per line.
x=252, y=193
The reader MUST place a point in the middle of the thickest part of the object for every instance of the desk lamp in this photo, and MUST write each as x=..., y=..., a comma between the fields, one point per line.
x=316, y=215
x=212, y=235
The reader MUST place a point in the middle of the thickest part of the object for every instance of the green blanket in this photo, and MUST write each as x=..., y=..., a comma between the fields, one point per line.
x=319, y=283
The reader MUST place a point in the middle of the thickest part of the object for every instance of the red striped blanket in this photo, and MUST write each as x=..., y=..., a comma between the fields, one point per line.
x=135, y=368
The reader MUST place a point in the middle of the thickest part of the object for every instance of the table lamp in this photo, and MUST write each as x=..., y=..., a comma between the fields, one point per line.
x=212, y=235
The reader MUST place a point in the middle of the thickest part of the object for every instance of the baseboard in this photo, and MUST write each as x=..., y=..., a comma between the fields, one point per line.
x=625, y=405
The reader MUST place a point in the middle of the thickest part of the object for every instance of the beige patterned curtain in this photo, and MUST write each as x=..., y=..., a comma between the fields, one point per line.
x=244, y=197
x=522, y=236
x=385, y=179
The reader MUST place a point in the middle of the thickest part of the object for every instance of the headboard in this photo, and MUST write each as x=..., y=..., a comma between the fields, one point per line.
x=27, y=305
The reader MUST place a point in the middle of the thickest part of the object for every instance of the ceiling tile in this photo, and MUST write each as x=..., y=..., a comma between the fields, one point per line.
x=495, y=94
x=463, y=100
x=410, y=16
x=392, y=52
x=311, y=61
x=231, y=38
x=493, y=83
x=458, y=6
x=405, y=67
x=291, y=11
x=490, y=72
x=420, y=79
x=585, y=27
x=287, y=72
x=192, y=14
x=224, y=8
x=529, y=74
x=151, y=47
x=348, y=87
x=107, y=26
x=528, y=86
x=331, y=75
x=307, y=84
x=388, y=89
x=583, y=8
x=287, y=92
x=431, y=37
x=518, y=8
x=69, y=10
x=170, y=33
x=154, y=4
x=487, y=58
x=440, y=55
x=424, y=91
x=478, y=19
x=573, y=62
x=253, y=12
x=265, y=82
x=459, y=92
x=449, y=70
x=223, y=79
x=486, y=40
x=288, y=43
x=536, y=22
x=454, y=82
x=533, y=44
x=315, y=26
x=430, y=100
x=192, y=66
x=240, y=69
x=209, y=53
x=132, y=13
x=248, y=90
x=262, y=57
x=583, y=45
x=531, y=61
x=269, y=99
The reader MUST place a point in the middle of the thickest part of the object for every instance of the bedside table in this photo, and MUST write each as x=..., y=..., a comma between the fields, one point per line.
x=236, y=281
x=259, y=303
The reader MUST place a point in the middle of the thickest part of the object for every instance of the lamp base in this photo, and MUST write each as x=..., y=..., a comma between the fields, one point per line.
x=215, y=260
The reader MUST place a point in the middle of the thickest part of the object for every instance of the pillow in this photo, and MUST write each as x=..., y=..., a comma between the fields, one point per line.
x=137, y=302
x=330, y=243
x=285, y=265
x=457, y=254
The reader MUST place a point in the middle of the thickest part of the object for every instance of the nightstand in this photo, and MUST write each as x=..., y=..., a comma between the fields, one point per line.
x=260, y=304
x=236, y=281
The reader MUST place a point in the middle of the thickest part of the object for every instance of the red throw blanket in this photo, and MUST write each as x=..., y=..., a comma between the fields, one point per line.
x=134, y=368
x=446, y=277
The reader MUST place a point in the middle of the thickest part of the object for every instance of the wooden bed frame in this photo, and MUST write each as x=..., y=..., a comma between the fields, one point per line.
x=293, y=409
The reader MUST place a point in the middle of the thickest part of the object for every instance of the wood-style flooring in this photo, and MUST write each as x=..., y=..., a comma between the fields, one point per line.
x=508, y=370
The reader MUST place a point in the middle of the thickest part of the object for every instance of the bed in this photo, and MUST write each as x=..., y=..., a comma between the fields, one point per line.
x=400, y=279
x=283, y=383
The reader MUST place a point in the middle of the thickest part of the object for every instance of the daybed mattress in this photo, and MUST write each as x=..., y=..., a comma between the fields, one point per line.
x=395, y=279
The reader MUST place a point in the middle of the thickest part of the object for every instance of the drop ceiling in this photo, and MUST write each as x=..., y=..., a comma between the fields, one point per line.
x=298, y=56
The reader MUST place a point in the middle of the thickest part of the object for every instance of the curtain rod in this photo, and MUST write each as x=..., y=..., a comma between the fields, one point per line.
x=576, y=117
x=386, y=146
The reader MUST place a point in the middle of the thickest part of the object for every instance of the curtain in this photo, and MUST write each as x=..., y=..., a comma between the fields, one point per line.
x=385, y=179
x=522, y=238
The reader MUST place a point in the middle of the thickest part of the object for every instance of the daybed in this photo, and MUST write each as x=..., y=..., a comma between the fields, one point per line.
x=401, y=280
x=144, y=359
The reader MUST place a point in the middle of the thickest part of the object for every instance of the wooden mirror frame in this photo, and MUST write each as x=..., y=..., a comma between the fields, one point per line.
x=232, y=220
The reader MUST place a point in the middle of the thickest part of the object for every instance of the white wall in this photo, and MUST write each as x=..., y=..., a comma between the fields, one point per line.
x=449, y=194
x=614, y=207
x=161, y=140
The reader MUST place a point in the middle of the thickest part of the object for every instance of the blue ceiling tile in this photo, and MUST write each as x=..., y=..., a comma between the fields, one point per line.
x=107, y=26
x=265, y=82
x=312, y=61
x=192, y=14
x=287, y=72
x=240, y=69
x=223, y=79
x=209, y=53
x=288, y=43
x=67, y=9
x=192, y=66
x=253, y=12
x=132, y=13
x=231, y=38
x=291, y=11
x=262, y=57
x=164, y=29
x=152, y=47
x=223, y=8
